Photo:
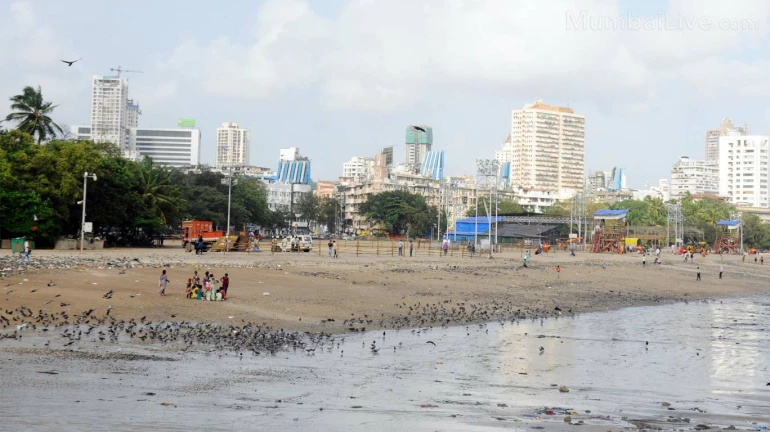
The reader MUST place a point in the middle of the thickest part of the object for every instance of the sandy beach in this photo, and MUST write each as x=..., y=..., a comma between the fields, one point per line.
x=372, y=342
x=308, y=292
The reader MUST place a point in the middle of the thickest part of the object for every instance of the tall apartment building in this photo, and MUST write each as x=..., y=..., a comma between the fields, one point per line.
x=596, y=181
x=693, y=176
x=505, y=154
x=743, y=170
x=358, y=168
x=169, y=147
x=712, y=138
x=419, y=141
x=111, y=114
x=548, y=147
x=233, y=144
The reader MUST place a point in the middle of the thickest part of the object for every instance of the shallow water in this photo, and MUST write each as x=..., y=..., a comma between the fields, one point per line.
x=709, y=361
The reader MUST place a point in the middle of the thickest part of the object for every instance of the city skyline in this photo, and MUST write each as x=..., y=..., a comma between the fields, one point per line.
x=644, y=92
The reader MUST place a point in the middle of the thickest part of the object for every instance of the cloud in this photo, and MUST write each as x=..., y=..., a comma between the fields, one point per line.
x=383, y=55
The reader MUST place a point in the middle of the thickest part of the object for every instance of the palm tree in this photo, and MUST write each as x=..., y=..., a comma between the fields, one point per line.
x=31, y=111
x=155, y=187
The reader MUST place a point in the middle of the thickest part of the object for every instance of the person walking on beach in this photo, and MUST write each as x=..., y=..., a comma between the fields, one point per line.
x=26, y=252
x=400, y=248
x=644, y=260
x=721, y=269
x=445, y=246
x=335, y=247
x=411, y=247
x=761, y=260
x=697, y=278
x=331, y=245
x=163, y=282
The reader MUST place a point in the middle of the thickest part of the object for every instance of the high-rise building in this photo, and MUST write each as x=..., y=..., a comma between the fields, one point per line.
x=596, y=181
x=112, y=113
x=169, y=147
x=388, y=152
x=358, y=168
x=548, y=147
x=694, y=176
x=743, y=170
x=505, y=154
x=233, y=144
x=419, y=140
x=712, y=138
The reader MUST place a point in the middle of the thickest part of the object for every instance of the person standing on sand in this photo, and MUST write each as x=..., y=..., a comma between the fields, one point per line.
x=445, y=246
x=697, y=278
x=400, y=248
x=644, y=260
x=761, y=260
x=163, y=282
x=27, y=251
x=335, y=248
x=721, y=269
x=225, y=286
x=331, y=245
x=411, y=247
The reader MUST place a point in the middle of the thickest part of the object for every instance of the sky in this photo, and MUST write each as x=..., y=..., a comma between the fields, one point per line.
x=343, y=78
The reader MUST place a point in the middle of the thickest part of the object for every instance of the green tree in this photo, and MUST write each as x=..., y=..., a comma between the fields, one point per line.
x=504, y=207
x=33, y=114
x=400, y=212
x=161, y=198
x=308, y=207
x=329, y=214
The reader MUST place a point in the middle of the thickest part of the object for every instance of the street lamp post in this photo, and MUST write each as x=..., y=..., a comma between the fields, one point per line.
x=229, y=198
x=86, y=176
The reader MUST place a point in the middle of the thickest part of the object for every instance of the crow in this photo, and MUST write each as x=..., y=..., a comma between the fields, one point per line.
x=431, y=342
x=69, y=63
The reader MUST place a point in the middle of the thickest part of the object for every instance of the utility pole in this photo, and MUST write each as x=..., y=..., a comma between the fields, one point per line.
x=229, y=199
x=487, y=169
x=86, y=176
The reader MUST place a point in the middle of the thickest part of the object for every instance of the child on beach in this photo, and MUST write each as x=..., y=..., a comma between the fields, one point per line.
x=188, y=290
x=163, y=282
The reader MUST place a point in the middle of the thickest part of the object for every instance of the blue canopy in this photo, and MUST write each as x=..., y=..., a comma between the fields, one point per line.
x=610, y=214
x=729, y=223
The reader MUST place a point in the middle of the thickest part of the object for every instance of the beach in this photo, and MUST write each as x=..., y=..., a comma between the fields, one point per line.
x=307, y=342
x=308, y=292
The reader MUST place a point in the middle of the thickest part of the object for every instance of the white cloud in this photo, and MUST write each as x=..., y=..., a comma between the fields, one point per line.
x=381, y=55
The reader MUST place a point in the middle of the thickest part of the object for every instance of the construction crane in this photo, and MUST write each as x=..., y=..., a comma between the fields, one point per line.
x=119, y=70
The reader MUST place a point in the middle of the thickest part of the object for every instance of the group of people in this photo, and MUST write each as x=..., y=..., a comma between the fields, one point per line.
x=401, y=247
x=333, y=248
x=209, y=289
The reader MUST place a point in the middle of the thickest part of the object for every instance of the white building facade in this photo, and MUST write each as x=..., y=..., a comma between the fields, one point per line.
x=694, y=176
x=358, y=168
x=712, y=138
x=233, y=144
x=110, y=119
x=743, y=170
x=547, y=149
x=168, y=147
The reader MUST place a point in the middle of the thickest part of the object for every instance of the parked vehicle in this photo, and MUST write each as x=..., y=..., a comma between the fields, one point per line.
x=192, y=230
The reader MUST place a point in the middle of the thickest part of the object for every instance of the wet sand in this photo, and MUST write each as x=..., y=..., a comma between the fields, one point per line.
x=308, y=292
x=705, y=367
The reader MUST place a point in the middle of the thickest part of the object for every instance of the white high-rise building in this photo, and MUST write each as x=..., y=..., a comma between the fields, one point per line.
x=505, y=154
x=359, y=168
x=712, y=138
x=232, y=145
x=694, y=176
x=169, y=147
x=111, y=114
x=548, y=148
x=743, y=170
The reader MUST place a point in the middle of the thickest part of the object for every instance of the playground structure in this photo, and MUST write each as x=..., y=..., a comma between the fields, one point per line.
x=728, y=237
x=610, y=231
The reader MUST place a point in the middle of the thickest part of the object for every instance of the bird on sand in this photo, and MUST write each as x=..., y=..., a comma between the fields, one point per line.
x=431, y=342
x=51, y=283
x=108, y=295
x=70, y=63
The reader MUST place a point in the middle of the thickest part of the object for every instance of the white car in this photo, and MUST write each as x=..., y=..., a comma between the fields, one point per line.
x=297, y=243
